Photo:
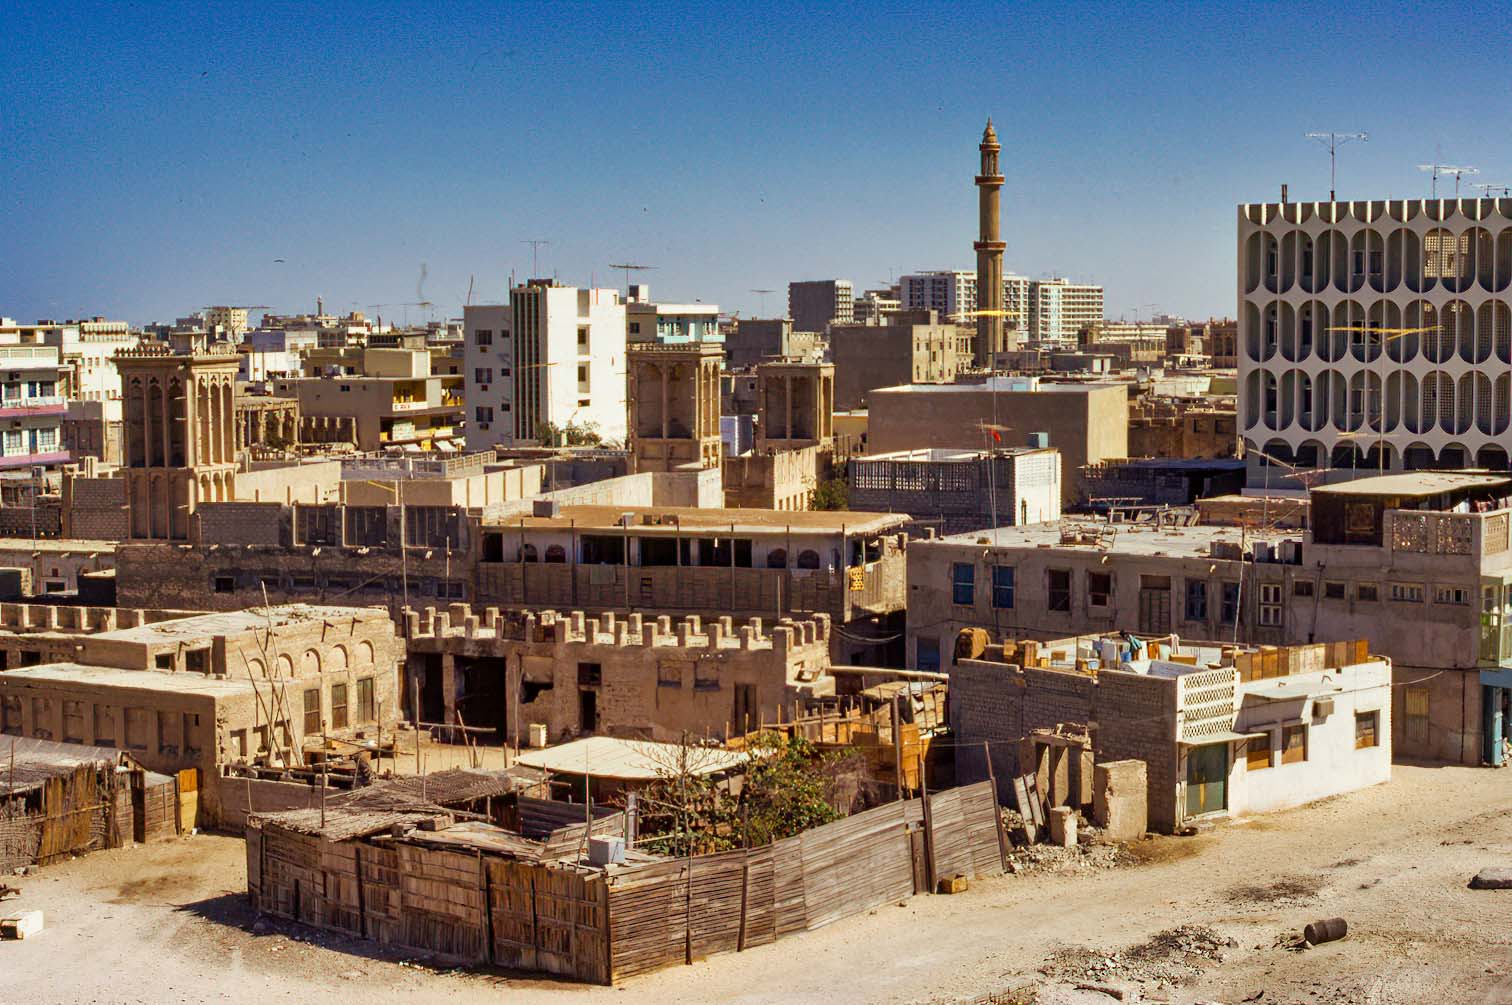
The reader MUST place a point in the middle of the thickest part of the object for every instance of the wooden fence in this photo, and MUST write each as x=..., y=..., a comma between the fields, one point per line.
x=475, y=907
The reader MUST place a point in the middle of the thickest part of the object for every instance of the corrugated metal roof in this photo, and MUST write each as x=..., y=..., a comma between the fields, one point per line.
x=26, y=762
x=631, y=760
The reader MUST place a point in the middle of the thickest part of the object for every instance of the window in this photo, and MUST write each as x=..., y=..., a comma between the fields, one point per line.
x=963, y=584
x=338, y=706
x=635, y=328
x=483, y=375
x=1302, y=588
x=928, y=648
x=163, y=661
x=1367, y=592
x=1293, y=744
x=312, y=712
x=225, y=584
x=1451, y=595
x=1196, y=600
x=1333, y=591
x=367, y=710
x=582, y=341
x=1407, y=593
x=1099, y=588
x=1002, y=586
x=705, y=676
x=1257, y=753
x=669, y=674
x=1366, y=729
x=590, y=674
x=483, y=336
x=1270, y=605
x=1228, y=610
x=1058, y=590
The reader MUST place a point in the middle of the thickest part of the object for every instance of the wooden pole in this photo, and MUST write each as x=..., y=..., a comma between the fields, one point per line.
x=997, y=813
x=380, y=736
x=897, y=739
x=324, y=759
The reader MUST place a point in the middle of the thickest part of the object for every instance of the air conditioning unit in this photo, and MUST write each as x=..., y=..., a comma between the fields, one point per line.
x=1322, y=708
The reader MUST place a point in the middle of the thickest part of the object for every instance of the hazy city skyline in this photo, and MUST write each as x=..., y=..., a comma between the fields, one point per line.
x=346, y=151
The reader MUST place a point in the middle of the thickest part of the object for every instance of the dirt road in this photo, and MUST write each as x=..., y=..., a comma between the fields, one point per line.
x=169, y=923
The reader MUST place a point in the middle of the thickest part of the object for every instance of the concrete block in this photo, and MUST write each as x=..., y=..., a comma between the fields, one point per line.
x=1492, y=878
x=1063, y=826
x=1119, y=799
x=21, y=926
x=951, y=884
x=536, y=735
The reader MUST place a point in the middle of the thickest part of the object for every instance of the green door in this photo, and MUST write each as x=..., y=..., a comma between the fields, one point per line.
x=1207, y=779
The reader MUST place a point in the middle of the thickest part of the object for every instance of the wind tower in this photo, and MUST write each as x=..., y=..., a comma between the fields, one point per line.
x=990, y=338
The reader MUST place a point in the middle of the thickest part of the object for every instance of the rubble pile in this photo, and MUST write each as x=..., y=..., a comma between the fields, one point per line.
x=1171, y=958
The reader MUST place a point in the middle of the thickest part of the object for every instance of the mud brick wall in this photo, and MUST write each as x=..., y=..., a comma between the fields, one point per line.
x=1136, y=720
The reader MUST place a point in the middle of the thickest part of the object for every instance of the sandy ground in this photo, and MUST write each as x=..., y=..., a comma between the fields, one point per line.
x=169, y=923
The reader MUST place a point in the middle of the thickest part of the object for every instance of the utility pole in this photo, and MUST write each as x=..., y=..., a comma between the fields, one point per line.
x=763, y=295
x=1333, y=141
x=535, y=255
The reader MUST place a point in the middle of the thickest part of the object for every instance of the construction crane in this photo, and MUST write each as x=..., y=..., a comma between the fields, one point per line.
x=1487, y=191
x=1333, y=141
x=629, y=267
x=1456, y=170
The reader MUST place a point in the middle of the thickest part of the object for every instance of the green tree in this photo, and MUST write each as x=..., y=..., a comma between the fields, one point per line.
x=833, y=494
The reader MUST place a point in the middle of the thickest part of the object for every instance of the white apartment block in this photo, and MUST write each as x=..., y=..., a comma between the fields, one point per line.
x=1377, y=335
x=1058, y=308
x=951, y=294
x=85, y=349
x=553, y=354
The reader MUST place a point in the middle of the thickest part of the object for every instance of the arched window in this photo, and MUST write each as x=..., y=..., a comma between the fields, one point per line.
x=808, y=558
x=528, y=554
x=556, y=553
x=777, y=558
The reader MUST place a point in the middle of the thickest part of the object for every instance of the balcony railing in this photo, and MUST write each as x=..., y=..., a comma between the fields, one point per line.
x=1431, y=533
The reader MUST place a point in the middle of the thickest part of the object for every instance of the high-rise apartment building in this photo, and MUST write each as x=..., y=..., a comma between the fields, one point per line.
x=815, y=304
x=951, y=294
x=1058, y=308
x=554, y=356
x=1376, y=334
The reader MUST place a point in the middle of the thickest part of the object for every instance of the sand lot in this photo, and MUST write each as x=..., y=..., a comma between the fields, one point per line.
x=169, y=922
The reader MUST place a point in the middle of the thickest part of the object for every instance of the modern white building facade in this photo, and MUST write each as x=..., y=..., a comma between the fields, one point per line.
x=1376, y=335
x=1058, y=308
x=553, y=356
x=951, y=294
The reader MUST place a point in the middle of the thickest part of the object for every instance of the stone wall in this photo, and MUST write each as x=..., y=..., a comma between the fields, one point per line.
x=94, y=508
x=648, y=678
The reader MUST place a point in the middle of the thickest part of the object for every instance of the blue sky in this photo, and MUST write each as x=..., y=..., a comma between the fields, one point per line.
x=157, y=158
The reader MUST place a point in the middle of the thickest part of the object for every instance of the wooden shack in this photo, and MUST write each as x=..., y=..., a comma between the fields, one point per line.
x=60, y=799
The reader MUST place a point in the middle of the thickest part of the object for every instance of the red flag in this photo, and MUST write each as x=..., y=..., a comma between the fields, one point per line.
x=997, y=436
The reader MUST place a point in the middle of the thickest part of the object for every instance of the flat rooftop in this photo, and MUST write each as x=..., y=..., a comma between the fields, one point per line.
x=686, y=519
x=629, y=760
x=203, y=626
x=64, y=546
x=1122, y=538
x=1415, y=483
x=151, y=681
x=1078, y=387
x=948, y=455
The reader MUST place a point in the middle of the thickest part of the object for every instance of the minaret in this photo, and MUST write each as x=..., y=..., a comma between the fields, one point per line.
x=989, y=249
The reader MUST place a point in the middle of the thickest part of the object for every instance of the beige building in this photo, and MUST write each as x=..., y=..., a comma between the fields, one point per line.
x=909, y=347
x=1411, y=562
x=676, y=560
x=392, y=400
x=615, y=675
x=1087, y=422
x=673, y=399
x=180, y=436
x=214, y=690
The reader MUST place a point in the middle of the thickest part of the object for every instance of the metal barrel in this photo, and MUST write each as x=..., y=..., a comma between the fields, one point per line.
x=1327, y=930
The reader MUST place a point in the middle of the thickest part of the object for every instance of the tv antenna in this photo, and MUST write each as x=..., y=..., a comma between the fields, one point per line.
x=1333, y=141
x=629, y=267
x=535, y=255
x=1437, y=169
x=763, y=295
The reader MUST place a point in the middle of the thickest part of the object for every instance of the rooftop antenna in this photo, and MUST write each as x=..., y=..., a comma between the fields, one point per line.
x=763, y=295
x=1488, y=191
x=1333, y=141
x=1437, y=169
x=535, y=255
x=629, y=267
